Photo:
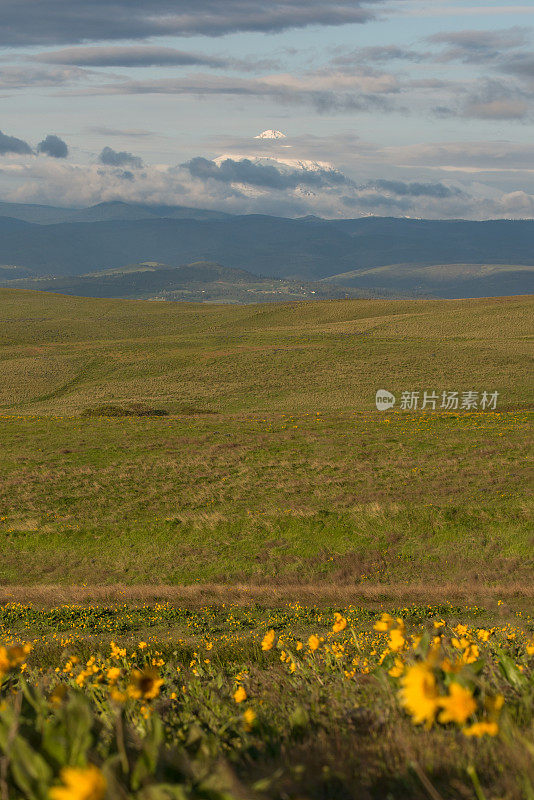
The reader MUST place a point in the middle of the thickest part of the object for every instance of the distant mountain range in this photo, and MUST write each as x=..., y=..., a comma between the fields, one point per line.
x=446, y=258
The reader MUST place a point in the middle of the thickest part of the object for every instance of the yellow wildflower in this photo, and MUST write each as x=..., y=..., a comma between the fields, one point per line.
x=116, y=651
x=144, y=684
x=113, y=674
x=384, y=624
x=80, y=783
x=12, y=657
x=460, y=644
x=451, y=666
x=494, y=704
x=249, y=717
x=313, y=642
x=396, y=640
x=240, y=694
x=397, y=669
x=268, y=640
x=471, y=654
x=458, y=705
x=57, y=694
x=419, y=695
x=483, y=635
x=340, y=623
x=80, y=679
x=481, y=729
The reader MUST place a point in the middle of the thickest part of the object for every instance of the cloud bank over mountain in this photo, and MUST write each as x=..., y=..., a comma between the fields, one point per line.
x=285, y=180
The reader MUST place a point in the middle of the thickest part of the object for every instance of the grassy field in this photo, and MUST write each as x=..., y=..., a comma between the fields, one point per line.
x=62, y=354
x=225, y=575
x=271, y=464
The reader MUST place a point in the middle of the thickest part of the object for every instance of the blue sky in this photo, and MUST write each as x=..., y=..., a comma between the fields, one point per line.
x=398, y=107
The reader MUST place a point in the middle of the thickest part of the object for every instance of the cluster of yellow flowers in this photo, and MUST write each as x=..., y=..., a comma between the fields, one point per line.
x=421, y=696
x=137, y=683
x=435, y=675
x=436, y=687
x=436, y=671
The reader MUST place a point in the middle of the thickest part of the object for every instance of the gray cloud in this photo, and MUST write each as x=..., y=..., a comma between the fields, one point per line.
x=27, y=77
x=149, y=56
x=10, y=144
x=479, y=46
x=326, y=91
x=467, y=46
x=476, y=156
x=379, y=54
x=383, y=203
x=25, y=22
x=121, y=174
x=53, y=146
x=494, y=99
x=103, y=130
x=520, y=65
x=264, y=175
x=132, y=56
x=112, y=158
x=415, y=189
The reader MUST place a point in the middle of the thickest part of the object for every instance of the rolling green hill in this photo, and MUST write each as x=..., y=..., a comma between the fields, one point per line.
x=62, y=353
x=174, y=443
x=441, y=280
x=201, y=281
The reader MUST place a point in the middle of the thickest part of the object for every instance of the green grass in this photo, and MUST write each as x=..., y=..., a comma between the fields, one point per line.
x=272, y=464
x=60, y=354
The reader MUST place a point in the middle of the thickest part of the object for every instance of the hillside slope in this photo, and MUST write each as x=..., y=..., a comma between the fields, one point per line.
x=201, y=281
x=64, y=353
x=442, y=280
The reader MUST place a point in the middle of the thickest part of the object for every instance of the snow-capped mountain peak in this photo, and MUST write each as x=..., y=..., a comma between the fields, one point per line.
x=278, y=163
x=271, y=134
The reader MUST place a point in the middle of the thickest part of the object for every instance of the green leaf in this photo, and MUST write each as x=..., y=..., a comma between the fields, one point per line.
x=147, y=761
x=511, y=672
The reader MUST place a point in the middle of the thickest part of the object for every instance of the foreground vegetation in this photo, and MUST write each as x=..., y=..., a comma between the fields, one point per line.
x=291, y=702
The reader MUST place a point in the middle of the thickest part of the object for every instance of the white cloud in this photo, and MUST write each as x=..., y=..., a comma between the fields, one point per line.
x=28, y=180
